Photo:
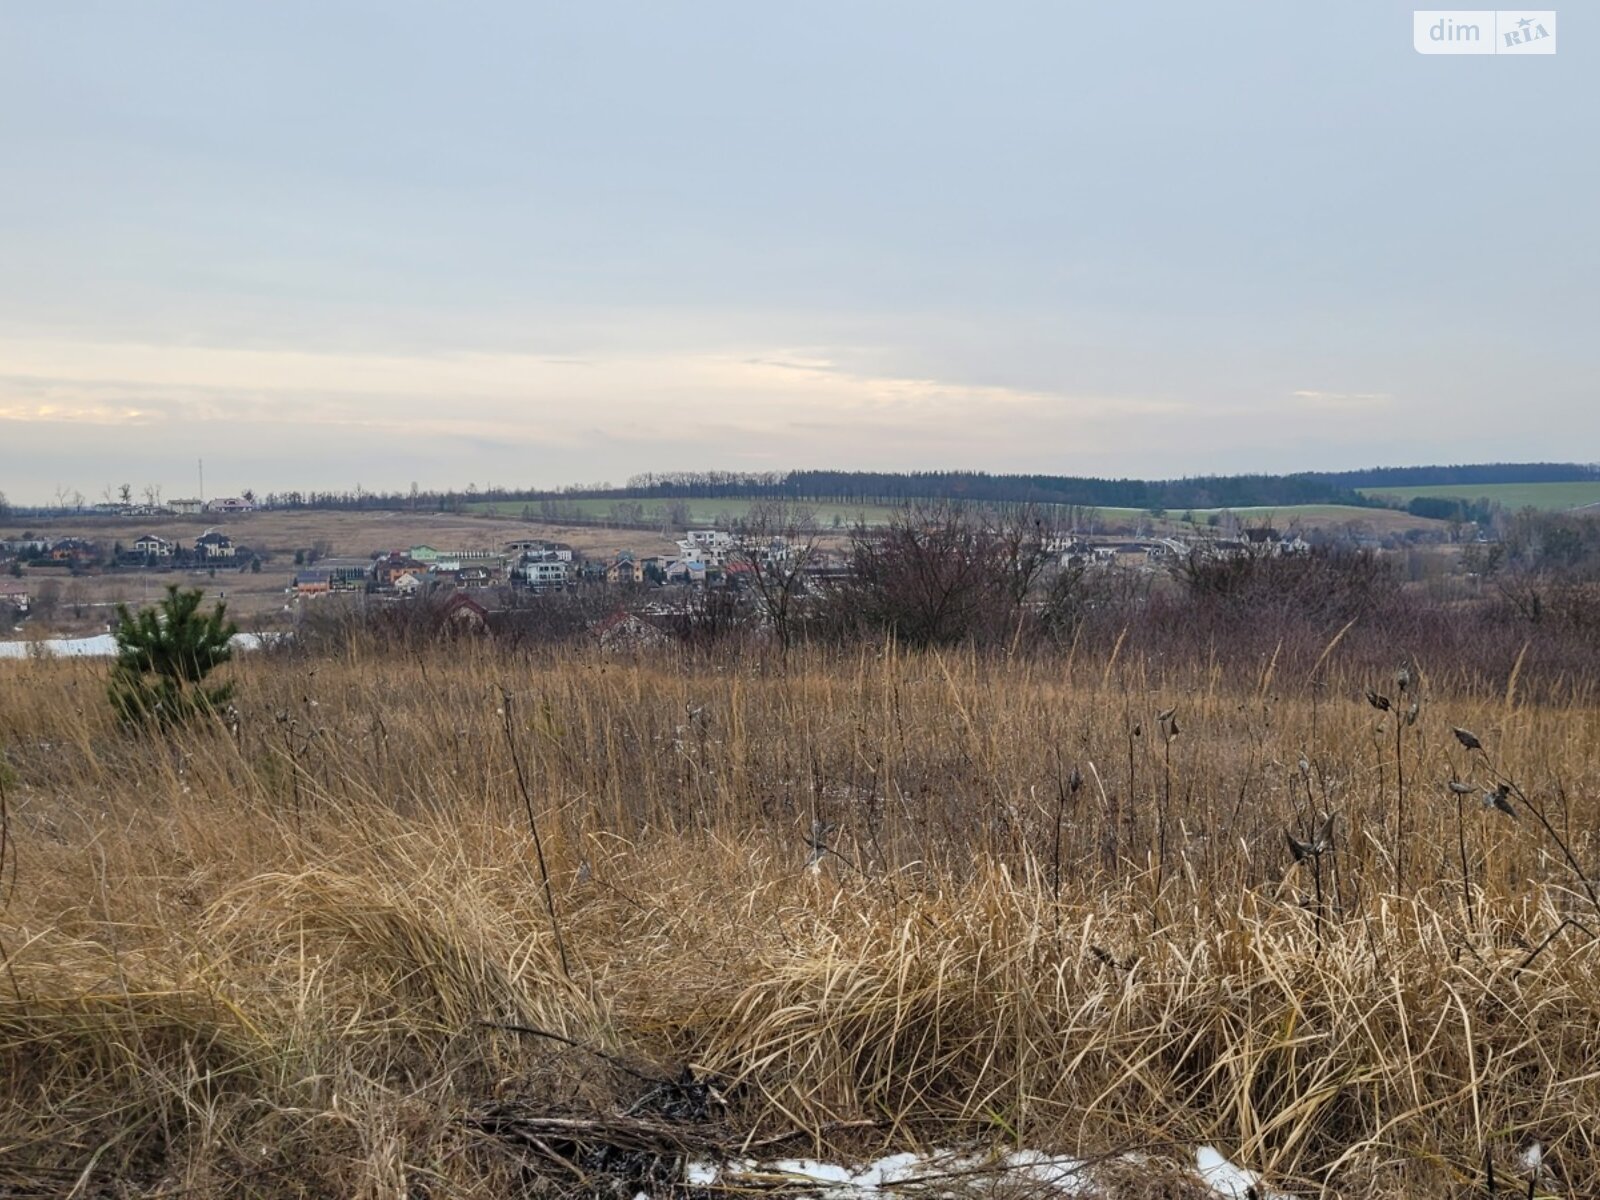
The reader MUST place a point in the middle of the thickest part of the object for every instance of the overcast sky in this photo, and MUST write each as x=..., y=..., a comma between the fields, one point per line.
x=325, y=243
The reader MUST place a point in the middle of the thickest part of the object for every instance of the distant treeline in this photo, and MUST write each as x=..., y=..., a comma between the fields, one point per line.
x=894, y=487
x=1468, y=473
x=898, y=487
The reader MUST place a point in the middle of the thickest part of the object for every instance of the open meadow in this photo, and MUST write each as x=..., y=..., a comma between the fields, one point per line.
x=1548, y=497
x=464, y=923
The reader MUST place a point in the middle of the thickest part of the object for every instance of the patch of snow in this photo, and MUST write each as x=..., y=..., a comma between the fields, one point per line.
x=699, y=1174
x=1064, y=1176
x=101, y=645
x=892, y=1168
x=1229, y=1181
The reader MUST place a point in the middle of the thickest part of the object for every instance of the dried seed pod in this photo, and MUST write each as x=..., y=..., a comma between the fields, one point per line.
x=1323, y=842
x=1500, y=798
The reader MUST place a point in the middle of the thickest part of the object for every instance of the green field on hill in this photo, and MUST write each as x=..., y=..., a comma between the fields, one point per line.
x=1548, y=496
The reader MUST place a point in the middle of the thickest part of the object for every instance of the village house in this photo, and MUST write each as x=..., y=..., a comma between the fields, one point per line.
x=456, y=560
x=537, y=572
x=709, y=546
x=537, y=547
x=623, y=631
x=187, y=508
x=28, y=543
x=14, y=594
x=230, y=504
x=73, y=550
x=1229, y=548
x=1263, y=536
x=410, y=583
x=153, y=546
x=314, y=582
x=212, y=545
x=462, y=613
x=684, y=570
x=623, y=569
x=388, y=569
x=347, y=574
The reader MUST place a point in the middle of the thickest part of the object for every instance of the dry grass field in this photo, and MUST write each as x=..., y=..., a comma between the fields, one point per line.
x=398, y=932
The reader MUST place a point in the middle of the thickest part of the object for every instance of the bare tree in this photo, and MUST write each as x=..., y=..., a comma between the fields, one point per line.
x=936, y=575
x=46, y=600
x=774, y=544
x=1024, y=539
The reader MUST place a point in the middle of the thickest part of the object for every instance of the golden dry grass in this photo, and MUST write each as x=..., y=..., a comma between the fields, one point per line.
x=262, y=963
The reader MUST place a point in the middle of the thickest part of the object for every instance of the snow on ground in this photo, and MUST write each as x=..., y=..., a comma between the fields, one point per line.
x=1064, y=1176
x=1229, y=1181
x=101, y=645
x=946, y=1171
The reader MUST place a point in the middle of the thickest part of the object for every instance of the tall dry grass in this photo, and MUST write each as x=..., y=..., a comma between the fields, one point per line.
x=293, y=957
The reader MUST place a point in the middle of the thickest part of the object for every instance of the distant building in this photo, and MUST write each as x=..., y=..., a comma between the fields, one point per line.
x=188, y=508
x=230, y=504
x=539, y=548
x=153, y=546
x=214, y=545
x=389, y=569
x=347, y=574
x=462, y=612
x=684, y=570
x=623, y=569
x=312, y=583
x=29, y=543
x=536, y=571
x=73, y=550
